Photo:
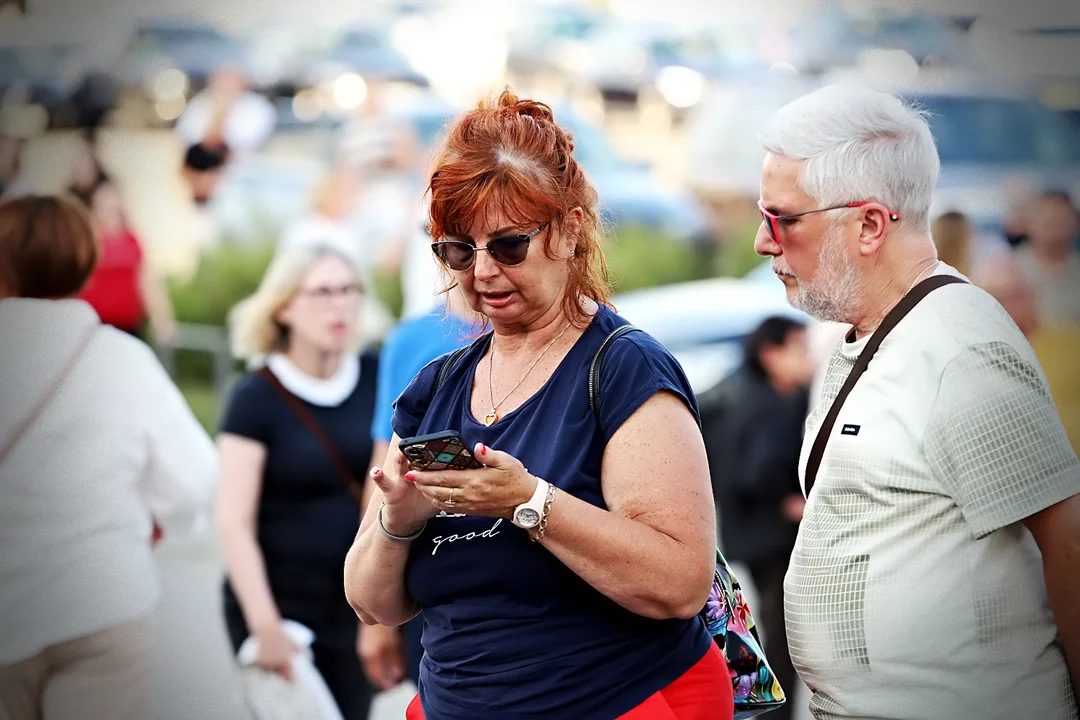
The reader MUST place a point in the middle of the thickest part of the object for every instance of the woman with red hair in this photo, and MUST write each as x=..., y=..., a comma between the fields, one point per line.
x=565, y=577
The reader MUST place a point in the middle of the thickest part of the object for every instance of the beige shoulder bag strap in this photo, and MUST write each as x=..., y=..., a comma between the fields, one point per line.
x=48, y=396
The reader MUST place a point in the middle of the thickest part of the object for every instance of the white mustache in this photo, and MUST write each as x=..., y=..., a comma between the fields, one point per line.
x=781, y=271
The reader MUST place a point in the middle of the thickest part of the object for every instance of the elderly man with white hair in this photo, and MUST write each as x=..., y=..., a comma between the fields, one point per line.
x=937, y=569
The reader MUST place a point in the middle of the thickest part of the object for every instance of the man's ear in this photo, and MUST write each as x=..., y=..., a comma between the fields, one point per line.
x=874, y=223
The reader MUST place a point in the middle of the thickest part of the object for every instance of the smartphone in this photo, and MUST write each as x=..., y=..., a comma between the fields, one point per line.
x=438, y=451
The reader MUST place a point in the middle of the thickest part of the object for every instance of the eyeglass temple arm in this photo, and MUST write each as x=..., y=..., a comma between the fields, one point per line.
x=893, y=215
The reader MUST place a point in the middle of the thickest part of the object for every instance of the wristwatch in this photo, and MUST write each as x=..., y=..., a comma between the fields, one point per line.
x=527, y=514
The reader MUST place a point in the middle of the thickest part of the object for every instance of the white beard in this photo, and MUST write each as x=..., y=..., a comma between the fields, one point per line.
x=837, y=289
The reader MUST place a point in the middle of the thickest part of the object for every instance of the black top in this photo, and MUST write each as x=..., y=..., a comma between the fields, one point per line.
x=753, y=436
x=306, y=517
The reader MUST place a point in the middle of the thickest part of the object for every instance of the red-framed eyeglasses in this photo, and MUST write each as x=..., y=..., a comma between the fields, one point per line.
x=773, y=221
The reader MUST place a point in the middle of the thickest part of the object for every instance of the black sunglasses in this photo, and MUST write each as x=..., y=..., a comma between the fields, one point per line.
x=506, y=250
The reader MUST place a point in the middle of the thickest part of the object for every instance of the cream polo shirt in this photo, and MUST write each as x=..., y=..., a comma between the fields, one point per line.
x=913, y=590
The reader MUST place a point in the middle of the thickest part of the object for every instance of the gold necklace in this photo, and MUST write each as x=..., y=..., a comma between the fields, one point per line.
x=492, y=417
x=919, y=276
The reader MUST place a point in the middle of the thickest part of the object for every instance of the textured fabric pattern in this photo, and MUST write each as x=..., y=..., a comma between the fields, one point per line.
x=913, y=592
x=988, y=440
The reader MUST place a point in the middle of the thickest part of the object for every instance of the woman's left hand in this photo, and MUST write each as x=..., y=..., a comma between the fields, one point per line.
x=492, y=491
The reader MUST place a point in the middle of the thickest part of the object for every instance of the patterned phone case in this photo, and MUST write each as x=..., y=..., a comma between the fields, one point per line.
x=442, y=454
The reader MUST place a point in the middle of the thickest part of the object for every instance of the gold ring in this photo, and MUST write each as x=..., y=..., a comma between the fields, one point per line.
x=450, y=500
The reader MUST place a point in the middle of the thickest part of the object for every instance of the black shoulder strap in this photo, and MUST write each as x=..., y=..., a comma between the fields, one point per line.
x=891, y=320
x=447, y=366
x=451, y=360
x=594, y=369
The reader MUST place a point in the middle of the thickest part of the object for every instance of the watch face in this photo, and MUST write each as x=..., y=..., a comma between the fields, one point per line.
x=527, y=518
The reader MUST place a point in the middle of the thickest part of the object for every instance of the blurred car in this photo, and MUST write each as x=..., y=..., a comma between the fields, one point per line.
x=990, y=139
x=621, y=60
x=49, y=76
x=989, y=136
x=724, y=155
x=543, y=34
x=365, y=51
x=704, y=323
x=428, y=115
x=831, y=37
x=269, y=191
x=196, y=50
x=258, y=198
x=629, y=193
x=18, y=74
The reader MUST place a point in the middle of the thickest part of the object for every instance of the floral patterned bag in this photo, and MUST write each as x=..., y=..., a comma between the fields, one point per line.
x=728, y=619
x=725, y=614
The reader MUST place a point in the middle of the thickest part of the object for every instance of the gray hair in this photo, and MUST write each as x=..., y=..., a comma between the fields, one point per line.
x=859, y=144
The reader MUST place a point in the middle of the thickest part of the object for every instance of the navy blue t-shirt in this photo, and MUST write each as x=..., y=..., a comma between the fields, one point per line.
x=511, y=632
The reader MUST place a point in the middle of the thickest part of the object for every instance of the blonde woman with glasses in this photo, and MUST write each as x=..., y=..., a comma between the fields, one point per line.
x=293, y=454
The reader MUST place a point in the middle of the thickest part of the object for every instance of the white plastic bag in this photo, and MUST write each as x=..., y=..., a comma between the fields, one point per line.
x=272, y=697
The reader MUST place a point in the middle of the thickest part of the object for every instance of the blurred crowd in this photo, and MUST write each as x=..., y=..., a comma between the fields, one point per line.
x=1033, y=271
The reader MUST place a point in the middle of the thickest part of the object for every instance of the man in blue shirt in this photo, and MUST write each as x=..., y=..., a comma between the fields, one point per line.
x=408, y=348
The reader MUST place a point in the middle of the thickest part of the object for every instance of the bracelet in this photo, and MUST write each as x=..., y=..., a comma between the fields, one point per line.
x=399, y=538
x=547, y=510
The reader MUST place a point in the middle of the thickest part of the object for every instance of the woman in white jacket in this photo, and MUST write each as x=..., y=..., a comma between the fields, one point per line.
x=96, y=443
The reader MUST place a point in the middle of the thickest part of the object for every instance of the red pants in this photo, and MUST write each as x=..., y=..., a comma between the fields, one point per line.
x=701, y=693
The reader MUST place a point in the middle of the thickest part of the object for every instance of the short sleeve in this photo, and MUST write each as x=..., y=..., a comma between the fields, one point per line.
x=249, y=411
x=996, y=441
x=412, y=404
x=179, y=480
x=636, y=367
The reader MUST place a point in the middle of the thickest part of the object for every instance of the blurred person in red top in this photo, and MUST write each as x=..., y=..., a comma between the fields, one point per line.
x=123, y=288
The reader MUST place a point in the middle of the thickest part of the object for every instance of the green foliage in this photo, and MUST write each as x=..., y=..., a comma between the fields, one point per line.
x=388, y=289
x=231, y=272
x=736, y=255
x=638, y=257
x=226, y=274
x=204, y=402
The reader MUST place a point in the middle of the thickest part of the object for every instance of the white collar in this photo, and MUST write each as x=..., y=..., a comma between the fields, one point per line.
x=330, y=392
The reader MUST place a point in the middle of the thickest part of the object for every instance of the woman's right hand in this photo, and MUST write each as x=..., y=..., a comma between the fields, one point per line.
x=407, y=509
x=275, y=651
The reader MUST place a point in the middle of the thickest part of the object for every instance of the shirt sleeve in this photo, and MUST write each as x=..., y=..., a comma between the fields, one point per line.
x=636, y=367
x=996, y=441
x=412, y=404
x=248, y=412
x=179, y=481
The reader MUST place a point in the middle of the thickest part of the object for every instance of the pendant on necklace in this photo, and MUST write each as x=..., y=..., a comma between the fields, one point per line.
x=490, y=418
